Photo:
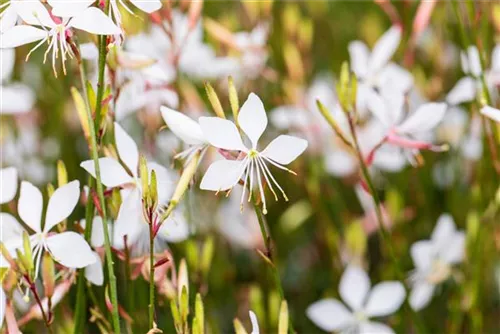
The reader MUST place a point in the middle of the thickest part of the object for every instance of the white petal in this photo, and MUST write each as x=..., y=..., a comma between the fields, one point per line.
x=93, y=272
x=8, y=19
x=30, y=205
x=374, y=328
x=395, y=78
x=339, y=163
x=34, y=13
x=3, y=305
x=222, y=175
x=495, y=58
x=182, y=126
x=16, y=98
x=492, y=113
x=8, y=189
x=422, y=254
x=425, y=118
x=474, y=61
x=65, y=8
x=61, y=204
x=252, y=118
x=378, y=107
x=329, y=315
x=359, y=54
x=10, y=227
x=455, y=250
x=147, y=6
x=112, y=173
x=94, y=21
x=20, y=35
x=384, y=49
x=385, y=299
x=421, y=295
x=285, y=149
x=89, y=51
x=127, y=149
x=463, y=91
x=444, y=230
x=8, y=59
x=70, y=250
x=221, y=133
x=354, y=287
x=97, y=237
x=130, y=219
x=255, y=323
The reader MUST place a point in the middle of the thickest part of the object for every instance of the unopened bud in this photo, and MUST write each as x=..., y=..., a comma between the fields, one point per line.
x=176, y=316
x=48, y=275
x=199, y=314
x=343, y=87
x=184, y=304
x=233, y=99
x=207, y=255
x=153, y=190
x=214, y=100
x=144, y=175
x=238, y=327
x=62, y=174
x=182, y=278
x=283, y=318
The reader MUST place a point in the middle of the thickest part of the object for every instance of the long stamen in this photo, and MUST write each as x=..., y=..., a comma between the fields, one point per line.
x=36, y=47
x=261, y=190
x=51, y=45
x=259, y=162
x=63, y=52
x=274, y=180
x=55, y=52
x=247, y=171
x=278, y=165
x=251, y=181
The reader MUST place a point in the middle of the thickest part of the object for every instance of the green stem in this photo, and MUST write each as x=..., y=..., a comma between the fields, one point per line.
x=382, y=230
x=81, y=296
x=100, y=192
x=269, y=253
x=100, y=81
x=151, y=277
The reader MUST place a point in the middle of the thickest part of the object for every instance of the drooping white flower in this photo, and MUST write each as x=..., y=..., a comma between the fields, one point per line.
x=186, y=129
x=374, y=70
x=15, y=97
x=130, y=221
x=55, y=27
x=68, y=248
x=223, y=134
x=8, y=189
x=364, y=303
x=434, y=259
x=401, y=130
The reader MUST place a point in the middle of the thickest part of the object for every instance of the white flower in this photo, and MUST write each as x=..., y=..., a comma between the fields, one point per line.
x=15, y=98
x=403, y=131
x=130, y=221
x=223, y=134
x=373, y=70
x=8, y=189
x=94, y=272
x=147, y=6
x=55, y=27
x=491, y=112
x=433, y=260
x=8, y=17
x=68, y=248
x=186, y=129
x=382, y=300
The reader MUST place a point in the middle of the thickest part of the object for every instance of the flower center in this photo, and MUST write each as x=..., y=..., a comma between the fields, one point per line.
x=360, y=316
x=440, y=272
x=252, y=154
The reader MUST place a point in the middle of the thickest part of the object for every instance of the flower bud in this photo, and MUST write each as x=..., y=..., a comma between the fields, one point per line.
x=233, y=99
x=176, y=316
x=283, y=318
x=144, y=175
x=184, y=304
x=214, y=100
x=207, y=255
x=62, y=174
x=153, y=190
x=81, y=109
x=238, y=327
x=48, y=275
x=343, y=87
x=182, y=278
x=356, y=239
x=199, y=314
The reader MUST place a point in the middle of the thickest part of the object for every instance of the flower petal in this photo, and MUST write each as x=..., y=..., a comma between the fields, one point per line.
x=34, y=13
x=65, y=9
x=127, y=149
x=20, y=35
x=129, y=220
x=455, y=250
x=147, y=6
x=30, y=205
x=492, y=113
x=354, y=287
x=444, y=230
x=8, y=189
x=221, y=133
x=425, y=118
x=359, y=54
x=384, y=49
x=395, y=78
x=70, y=250
x=422, y=254
x=222, y=175
x=8, y=59
x=379, y=108
x=385, y=299
x=285, y=149
x=61, y=204
x=93, y=272
x=16, y=98
x=112, y=173
x=97, y=237
x=94, y=21
x=255, y=323
x=374, y=328
x=421, y=295
x=182, y=126
x=175, y=228
x=463, y=91
x=329, y=315
x=474, y=61
x=252, y=118
x=8, y=19
x=10, y=227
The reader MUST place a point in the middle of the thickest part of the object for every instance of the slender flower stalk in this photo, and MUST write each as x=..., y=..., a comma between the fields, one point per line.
x=100, y=192
x=151, y=306
x=81, y=296
x=269, y=256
